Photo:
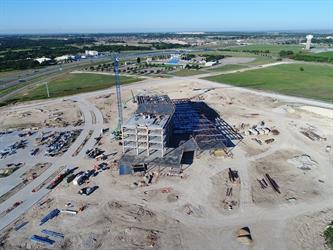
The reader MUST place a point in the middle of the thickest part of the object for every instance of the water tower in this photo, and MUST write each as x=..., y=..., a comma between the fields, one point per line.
x=308, y=42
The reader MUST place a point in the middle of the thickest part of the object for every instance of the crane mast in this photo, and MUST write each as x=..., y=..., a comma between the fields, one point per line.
x=118, y=93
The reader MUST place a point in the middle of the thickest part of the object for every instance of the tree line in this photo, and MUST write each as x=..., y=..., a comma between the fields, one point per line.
x=306, y=57
x=17, y=53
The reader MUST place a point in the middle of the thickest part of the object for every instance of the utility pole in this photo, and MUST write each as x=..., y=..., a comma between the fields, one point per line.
x=47, y=90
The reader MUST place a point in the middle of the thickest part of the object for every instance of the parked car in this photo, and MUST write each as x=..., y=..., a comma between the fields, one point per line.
x=87, y=190
x=34, y=152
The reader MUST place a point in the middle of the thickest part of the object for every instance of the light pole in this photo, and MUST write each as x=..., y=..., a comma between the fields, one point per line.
x=47, y=90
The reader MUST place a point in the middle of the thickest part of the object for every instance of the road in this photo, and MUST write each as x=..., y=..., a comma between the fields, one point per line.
x=49, y=72
x=29, y=198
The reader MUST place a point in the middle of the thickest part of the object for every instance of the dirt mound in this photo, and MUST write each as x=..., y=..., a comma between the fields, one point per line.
x=303, y=162
x=128, y=212
x=157, y=195
x=122, y=225
x=294, y=184
x=189, y=209
x=226, y=193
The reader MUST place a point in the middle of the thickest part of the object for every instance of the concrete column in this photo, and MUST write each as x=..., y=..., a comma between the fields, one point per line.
x=136, y=141
x=147, y=140
x=122, y=139
x=162, y=142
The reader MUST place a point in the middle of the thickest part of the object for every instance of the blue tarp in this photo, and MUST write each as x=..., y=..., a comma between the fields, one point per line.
x=52, y=233
x=42, y=240
x=50, y=215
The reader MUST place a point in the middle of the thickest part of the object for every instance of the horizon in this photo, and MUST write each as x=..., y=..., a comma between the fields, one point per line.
x=128, y=16
x=314, y=31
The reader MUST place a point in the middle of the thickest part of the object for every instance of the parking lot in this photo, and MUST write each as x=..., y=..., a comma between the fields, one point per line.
x=21, y=151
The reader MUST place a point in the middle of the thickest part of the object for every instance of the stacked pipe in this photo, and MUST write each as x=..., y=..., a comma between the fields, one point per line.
x=274, y=185
x=233, y=175
x=229, y=191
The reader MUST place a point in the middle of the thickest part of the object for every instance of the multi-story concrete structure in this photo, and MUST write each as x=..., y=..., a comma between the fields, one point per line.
x=148, y=130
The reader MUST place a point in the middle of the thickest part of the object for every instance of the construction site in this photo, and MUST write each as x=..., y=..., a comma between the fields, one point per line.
x=185, y=164
x=166, y=133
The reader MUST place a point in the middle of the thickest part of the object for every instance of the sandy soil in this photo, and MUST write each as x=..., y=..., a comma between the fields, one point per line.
x=191, y=214
x=67, y=113
x=311, y=227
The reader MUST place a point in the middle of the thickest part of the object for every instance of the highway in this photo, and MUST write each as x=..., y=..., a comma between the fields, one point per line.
x=22, y=77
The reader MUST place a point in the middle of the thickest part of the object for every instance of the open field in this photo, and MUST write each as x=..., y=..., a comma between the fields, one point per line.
x=262, y=60
x=228, y=67
x=71, y=84
x=325, y=54
x=314, y=82
x=259, y=58
x=274, y=49
x=188, y=72
x=11, y=89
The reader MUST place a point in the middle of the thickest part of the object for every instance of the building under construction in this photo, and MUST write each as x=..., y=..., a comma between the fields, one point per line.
x=149, y=129
x=162, y=132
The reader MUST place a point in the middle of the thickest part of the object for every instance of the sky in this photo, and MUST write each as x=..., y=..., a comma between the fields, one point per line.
x=96, y=16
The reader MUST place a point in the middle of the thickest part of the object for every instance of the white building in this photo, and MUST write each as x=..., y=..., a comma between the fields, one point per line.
x=209, y=64
x=64, y=58
x=91, y=53
x=42, y=59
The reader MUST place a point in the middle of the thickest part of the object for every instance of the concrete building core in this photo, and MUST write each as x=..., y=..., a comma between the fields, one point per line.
x=149, y=129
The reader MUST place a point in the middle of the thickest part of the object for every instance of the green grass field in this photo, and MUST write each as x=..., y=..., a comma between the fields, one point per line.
x=10, y=89
x=316, y=81
x=273, y=48
x=70, y=84
x=259, y=59
x=188, y=72
x=228, y=67
x=325, y=54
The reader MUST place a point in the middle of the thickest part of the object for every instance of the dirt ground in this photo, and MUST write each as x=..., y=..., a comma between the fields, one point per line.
x=188, y=212
x=311, y=227
x=48, y=115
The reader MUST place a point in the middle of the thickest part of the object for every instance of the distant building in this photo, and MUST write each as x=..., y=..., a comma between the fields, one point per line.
x=209, y=64
x=64, y=58
x=42, y=59
x=308, y=42
x=91, y=53
x=174, y=59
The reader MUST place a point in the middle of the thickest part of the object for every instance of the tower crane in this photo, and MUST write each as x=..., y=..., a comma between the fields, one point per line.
x=117, y=131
